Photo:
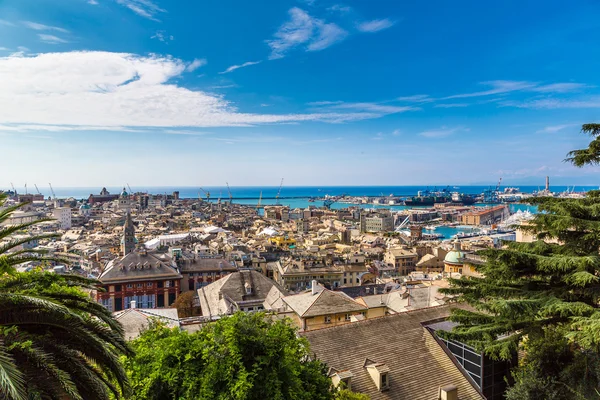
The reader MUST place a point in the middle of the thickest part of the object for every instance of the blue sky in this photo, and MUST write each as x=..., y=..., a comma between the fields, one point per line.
x=156, y=92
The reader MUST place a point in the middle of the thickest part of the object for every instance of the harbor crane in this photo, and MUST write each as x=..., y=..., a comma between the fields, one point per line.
x=278, y=193
x=36, y=189
x=52, y=190
x=207, y=194
x=498, y=185
x=14, y=190
x=259, y=200
x=129, y=187
x=25, y=187
x=229, y=191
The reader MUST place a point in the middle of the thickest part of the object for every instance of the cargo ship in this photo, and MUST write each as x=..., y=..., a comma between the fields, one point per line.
x=426, y=198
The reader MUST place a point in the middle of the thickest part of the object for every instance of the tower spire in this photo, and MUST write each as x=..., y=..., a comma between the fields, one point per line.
x=128, y=242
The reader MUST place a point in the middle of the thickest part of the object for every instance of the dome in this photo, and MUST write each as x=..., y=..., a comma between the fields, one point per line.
x=453, y=257
x=124, y=193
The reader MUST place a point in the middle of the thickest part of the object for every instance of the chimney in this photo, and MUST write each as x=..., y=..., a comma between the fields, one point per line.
x=448, y=392
x=133, y=303
x=314, y=287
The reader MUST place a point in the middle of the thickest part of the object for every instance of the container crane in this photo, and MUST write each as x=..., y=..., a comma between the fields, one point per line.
x=129, y=187
x=52, y=190
x=207, y=194
x=14, y=190
x=498, y=185
x=278, y=193
x=259, y=200
x=229, y=191
x=36, y=188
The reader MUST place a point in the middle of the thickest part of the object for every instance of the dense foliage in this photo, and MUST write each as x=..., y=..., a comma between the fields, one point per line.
x=244, y=356
x=55, y=341
x=543, y=297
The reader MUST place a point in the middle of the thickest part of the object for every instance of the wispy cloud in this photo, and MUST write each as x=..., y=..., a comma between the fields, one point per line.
x=6, y=23
x=329, y=34
x=162, y=36
x=340, y=8
x=552, y=103
x=4, y=49
x=396, y=132
x=374, y=107
x=185, y=132
x=234, y=67
x=144, y=8
x=555, y=128
x=375, y=25
x=92, y=89
x=41, y=27
x=197, y=63
x=417, y=98
x=323, y=103
x=451, y=105
x=502, y=87
x=93, y=2
x=442, y=132
x=303, y=29
x=228, y=86
x=51, y=39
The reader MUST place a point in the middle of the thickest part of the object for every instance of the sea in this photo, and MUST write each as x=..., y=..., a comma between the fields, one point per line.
x=298, y=196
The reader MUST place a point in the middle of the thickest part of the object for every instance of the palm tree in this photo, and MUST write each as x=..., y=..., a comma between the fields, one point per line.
x=55, y=341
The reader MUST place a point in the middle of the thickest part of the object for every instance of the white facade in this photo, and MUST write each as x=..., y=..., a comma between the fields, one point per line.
x=63, y=215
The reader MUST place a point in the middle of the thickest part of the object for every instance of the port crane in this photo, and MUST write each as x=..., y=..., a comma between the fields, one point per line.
x=259, y=200
x=14, y=190
x=229, y=191
x=207, y=194
x=36, y=189
x=52, y=190
x=278, y=193
x=498, y=185
x=129, y=187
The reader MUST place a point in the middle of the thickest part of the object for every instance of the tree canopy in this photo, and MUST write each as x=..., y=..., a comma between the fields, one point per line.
x=543, y=296
x=244, y=356
x=55, y=341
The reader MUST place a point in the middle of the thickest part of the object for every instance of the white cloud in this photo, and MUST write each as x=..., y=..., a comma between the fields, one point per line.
x=396, y=132
x=41, y=27
x=162, y=36
x=197, y=63
x=51, y=39
x=501, y=87
x=451, y=105
x=551, y=103
x=144, y=8
x=340, y=8
x=92, y=2
x=23, y=49
x=417, y=98
x=234, y=67
x=442, y=132
x=302, y=29
x=87, y=90
x=323, y=103
x=555, y=128
x=6, y=23
x=329, y=34
x=497, y=87
x=4, y=49
x=375, y=25
x=560, y=87
x=374, y=107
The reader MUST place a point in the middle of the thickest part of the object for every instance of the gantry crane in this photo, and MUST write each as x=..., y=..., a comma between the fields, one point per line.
x=278, y=192
x=229, y=191
x=52, y=190
x=259, y=200
x=206, y=193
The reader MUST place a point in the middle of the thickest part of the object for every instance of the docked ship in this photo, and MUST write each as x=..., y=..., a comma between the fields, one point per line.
x=461, y=198
x=426, y=198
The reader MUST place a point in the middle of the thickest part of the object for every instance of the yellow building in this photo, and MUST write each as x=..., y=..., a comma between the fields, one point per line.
x=282, y=241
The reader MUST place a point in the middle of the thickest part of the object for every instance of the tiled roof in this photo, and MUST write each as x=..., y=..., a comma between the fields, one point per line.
x=135, y=320
x=139, y=266
x=417, y=364
x=323, y=303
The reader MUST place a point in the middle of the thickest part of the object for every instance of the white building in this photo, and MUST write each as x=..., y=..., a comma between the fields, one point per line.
x=63, y=215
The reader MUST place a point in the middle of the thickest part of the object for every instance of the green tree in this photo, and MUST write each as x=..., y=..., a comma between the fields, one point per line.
x=345, y=394
x=529, y=290
x=55, y=341
x=244, y=356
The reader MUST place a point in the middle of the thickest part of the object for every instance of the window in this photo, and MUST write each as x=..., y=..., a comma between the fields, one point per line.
x=328, y=319
x=159, y=284
x=117, y=288
x=384, y=381
x=347, y=317
x=140, y=285
x=149, y=284
x=129, y=286
x=167, y=283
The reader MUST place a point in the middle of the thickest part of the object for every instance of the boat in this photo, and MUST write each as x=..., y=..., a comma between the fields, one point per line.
x=427, y=198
